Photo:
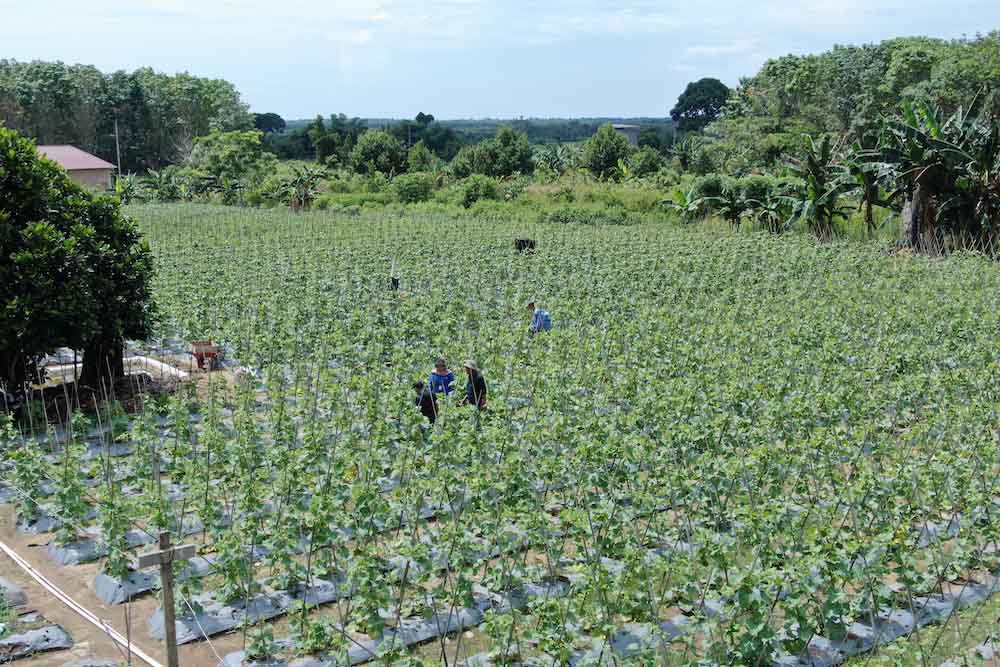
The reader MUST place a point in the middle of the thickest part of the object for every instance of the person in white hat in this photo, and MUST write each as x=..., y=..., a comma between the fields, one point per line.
x=475, y=387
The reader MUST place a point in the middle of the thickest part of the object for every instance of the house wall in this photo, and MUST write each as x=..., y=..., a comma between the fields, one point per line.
x=632, y=134
x=95, y=179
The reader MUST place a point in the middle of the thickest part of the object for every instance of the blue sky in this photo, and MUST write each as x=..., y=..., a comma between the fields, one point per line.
x=464, y=58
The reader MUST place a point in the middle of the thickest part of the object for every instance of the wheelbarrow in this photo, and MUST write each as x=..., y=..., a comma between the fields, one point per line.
x=206, y=353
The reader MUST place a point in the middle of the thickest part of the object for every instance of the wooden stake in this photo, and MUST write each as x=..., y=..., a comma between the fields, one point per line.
x=165, y=558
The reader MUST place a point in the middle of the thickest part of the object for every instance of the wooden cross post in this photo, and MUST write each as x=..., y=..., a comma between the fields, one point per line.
x=165, y=558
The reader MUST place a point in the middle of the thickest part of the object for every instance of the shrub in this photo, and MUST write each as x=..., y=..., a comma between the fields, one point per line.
x=587, y=216
x=506, y=154
x=710, y=185
x=379, y=151
x=413, y=188
x=421, y=158
x=757, y=188
x=478, y=187
x=604, y=150
x=646, y=161
x=666, y=178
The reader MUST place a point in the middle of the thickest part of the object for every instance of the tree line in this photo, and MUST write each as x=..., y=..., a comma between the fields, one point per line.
x=158, y=116
x=910, y=126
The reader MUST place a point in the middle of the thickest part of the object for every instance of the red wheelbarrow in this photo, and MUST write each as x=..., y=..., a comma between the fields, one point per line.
x=206, y=353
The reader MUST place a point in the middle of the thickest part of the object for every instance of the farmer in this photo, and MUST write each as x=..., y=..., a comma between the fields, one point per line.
x=540, y=319
x=475, y=387
x=426, y=401
x=442, y=379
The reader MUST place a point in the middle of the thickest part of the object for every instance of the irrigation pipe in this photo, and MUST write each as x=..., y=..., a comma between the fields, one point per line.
x=75, y=606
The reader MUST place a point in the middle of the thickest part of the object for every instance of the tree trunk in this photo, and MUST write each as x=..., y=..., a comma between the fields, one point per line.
x=13, y=371
x=103, y=363
x=869, y=219
x=915, y=213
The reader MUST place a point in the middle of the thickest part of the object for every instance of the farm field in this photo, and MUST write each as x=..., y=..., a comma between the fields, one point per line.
x=731, y=448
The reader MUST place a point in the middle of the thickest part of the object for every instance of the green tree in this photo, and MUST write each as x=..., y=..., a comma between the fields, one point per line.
x=420, y=158
x=603, y=151
x=268, y=122
x=232, y=157
x=818, y=204
x=699, y=104
x=502, y=156
x=646, y=161
x=379, y=151
x=76, y=271
x=511, y=153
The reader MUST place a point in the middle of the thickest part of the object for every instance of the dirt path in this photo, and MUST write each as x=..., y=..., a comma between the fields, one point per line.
x=89, y=641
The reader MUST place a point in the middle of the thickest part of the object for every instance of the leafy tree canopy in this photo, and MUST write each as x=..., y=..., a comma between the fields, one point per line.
x=269, y=122
x=699, y=104
x=158, y=115
x=379, y=151
x=504, y=155
x=603, y=152
x=75, y=271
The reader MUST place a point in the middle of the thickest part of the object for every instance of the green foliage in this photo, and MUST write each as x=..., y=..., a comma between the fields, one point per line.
x=646, y=161
x=420, y=158
x=699, y=104
x=268, y=122
x=76, y=270
x=477, y=188
x=945, y=167
x=29, y=467
x=232, y=158
x=818, y=204
x=261, y=646
x=847, y=90
x=506, y=154
x=158, y=115
x=300, y=188
x=413, y=188
x=603, y=152
x=379, y=151
x=586, y=216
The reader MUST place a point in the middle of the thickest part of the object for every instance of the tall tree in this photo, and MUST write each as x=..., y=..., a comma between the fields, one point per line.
x=75, y=271
x=699, y=104
x=269, y=122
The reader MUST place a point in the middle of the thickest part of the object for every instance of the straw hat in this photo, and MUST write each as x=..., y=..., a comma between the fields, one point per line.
x=471, y=365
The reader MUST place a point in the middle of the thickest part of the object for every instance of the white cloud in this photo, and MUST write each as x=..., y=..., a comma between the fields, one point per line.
x=718, y=50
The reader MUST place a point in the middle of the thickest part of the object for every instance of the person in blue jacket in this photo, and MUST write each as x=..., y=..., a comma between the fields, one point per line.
x=442, y=380
x=540, y=319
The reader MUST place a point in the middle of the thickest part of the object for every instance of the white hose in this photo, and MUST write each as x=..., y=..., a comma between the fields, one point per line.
x=156, y=369
x=79, y=609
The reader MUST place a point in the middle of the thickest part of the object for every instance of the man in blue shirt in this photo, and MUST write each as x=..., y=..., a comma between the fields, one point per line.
x=540, y=319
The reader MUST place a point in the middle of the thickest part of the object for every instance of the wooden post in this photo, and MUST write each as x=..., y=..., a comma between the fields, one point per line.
x=165, y=558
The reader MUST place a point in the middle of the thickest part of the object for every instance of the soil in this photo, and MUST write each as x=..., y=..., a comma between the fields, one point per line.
x=89, y=641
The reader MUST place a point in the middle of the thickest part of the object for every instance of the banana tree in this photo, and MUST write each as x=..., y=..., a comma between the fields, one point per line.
x=946, y=169
x=862, y=179
x=301, y=188
x=818, y=203
x=686, y=151
x=688, y=205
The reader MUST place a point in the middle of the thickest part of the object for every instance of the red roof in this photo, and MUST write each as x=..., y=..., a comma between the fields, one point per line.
x=72, y=158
